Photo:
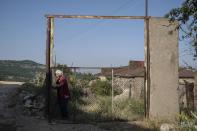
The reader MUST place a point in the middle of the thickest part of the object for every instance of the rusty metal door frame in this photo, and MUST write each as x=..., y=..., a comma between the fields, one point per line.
x=49, y=44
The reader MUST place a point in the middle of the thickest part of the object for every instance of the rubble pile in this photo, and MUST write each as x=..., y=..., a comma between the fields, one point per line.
x=33, y=104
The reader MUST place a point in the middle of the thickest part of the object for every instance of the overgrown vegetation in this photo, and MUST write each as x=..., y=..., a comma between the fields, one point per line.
x=187, y=122
x=101, y=88
x=104, y=88
x=91, y=98
x=97, y=104
x=129, y=109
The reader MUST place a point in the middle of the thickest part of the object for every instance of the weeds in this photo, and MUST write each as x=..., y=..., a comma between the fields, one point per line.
x=187, y=122
x=129, y=109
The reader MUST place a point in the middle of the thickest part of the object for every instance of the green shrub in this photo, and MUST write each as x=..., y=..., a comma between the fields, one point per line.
x=104, y=88
x=76, y=93
x=101, y=88
x=105, y=105
x=39, y=79
x=137, y=106
x=72, y=81
x=85, y=76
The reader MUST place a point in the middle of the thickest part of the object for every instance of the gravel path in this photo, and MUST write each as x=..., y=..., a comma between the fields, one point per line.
x=11, y=118
x=7, y=116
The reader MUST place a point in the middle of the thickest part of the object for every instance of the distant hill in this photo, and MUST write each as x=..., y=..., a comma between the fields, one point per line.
x=25, y=70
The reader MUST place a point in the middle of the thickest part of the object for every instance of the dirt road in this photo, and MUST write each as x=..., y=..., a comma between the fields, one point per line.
x=12, y=118
x=7, y=116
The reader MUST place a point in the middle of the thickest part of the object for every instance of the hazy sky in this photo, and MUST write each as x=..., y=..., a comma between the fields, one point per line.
x=81, y=42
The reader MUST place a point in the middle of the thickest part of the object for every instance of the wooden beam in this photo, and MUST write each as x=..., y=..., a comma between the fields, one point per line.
x=48, y=70
x=94, y=17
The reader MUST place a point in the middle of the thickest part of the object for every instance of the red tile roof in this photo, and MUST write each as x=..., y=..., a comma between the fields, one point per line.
x=136, y=69
x=137, y=72
x=186, y=73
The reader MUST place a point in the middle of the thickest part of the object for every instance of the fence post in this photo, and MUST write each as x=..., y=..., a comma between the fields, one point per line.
x=112, y=95
x=75, y=101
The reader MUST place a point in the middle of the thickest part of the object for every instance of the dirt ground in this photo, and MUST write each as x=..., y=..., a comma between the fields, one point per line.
x=12, y=119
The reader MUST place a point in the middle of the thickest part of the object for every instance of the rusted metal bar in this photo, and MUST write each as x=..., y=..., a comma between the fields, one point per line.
x=148, y=80
x=48, y=70
x=90, y=67
x=94, y=17
x=147, y=65
x=145, y=92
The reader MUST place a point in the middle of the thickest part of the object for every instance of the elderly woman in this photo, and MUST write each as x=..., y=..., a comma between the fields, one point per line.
x=63, y=94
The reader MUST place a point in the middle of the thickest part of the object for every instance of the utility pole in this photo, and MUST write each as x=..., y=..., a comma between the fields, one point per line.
x=146, y=8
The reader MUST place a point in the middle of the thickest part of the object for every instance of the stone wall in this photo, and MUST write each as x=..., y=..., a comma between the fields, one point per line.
x=134, y=87
x=182, y=92
x=131, y=87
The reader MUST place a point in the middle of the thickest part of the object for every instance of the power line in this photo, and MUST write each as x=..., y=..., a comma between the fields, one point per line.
x=117, y=10
x=122, y=6
x=96, y=24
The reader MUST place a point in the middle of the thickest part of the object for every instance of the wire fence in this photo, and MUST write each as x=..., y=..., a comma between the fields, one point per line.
x=98, y=95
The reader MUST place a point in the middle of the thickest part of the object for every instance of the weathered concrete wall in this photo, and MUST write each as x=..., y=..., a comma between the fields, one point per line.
x=163, y=69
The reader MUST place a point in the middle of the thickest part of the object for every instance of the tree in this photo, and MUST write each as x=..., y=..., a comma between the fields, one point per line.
x=187, y=17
